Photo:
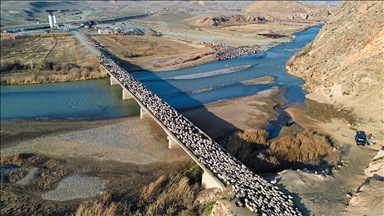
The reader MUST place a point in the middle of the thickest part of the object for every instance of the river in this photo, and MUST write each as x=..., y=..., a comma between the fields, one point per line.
x=96, y=99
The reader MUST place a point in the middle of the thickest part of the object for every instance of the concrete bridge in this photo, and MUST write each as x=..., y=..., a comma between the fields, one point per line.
x=221, y=169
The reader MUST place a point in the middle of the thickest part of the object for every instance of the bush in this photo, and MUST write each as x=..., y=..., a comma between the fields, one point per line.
x=9, y=66
x=130, y=54
x=303, y=147
x=194, y=174
x=210, y=206
x=242, y=144
x=57, y=67
x=306, y=49
x=46, y=65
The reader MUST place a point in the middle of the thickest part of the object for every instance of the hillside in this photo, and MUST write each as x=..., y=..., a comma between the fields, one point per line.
x=344, y=64
x=282, y=10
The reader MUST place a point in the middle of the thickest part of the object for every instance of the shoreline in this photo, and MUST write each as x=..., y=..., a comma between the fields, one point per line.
x=185, y=63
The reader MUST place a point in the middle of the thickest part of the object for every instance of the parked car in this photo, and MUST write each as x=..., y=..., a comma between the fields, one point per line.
x=361, y=138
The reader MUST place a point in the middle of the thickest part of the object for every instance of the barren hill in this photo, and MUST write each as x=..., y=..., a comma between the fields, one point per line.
x=270, y=11
x=344, y=64
x=281, y=10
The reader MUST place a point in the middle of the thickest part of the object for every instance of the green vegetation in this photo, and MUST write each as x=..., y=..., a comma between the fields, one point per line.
x=209, y=208
x=326, y=112
x=304, y=51
x=194, y=174
x=260, y=80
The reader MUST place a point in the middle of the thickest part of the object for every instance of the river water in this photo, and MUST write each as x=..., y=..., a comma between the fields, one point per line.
x=96, y=99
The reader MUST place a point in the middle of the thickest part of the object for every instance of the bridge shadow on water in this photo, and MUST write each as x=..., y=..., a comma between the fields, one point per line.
x=209, y=119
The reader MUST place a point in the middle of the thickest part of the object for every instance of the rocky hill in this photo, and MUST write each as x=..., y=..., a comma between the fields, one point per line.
x=270, y=11
x=344, y=64
x=228, y=20
x=283, y=10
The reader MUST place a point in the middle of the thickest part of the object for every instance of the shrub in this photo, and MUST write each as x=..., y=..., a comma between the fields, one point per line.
x=194, y=174
x=242, y=144
x=302, y=147
x=210, y=206
x=9, y=66
x=46, y=65
x=306, y=49
x=57, y=67
x=130, y=54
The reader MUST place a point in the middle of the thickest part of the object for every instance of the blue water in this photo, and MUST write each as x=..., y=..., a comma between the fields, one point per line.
x=96, y=99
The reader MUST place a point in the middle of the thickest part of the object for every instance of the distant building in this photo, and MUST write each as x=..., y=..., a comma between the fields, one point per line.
x=104, y=30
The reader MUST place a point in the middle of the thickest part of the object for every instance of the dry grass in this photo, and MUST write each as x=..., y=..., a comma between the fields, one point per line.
x=57, y=73
x=172, y=195
x=46, y=58
x=151, y=52
x=97, y=209
x=132, y=46
x=153, y=189
x=176, y=196
x=103, y=206
x=18, y=175
x=167, y=195
x=303, y=147
x=243, y=144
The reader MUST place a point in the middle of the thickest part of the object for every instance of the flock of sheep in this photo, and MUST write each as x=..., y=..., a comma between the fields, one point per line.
x=224, y=52
x=249, y=189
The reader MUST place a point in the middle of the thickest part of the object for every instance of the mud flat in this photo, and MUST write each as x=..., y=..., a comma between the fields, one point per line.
x=120, y=156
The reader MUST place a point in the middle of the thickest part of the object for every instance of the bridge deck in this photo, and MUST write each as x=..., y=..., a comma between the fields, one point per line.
x=251, y=190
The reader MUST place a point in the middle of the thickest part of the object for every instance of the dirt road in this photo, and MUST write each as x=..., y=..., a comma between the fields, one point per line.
x=84, y=41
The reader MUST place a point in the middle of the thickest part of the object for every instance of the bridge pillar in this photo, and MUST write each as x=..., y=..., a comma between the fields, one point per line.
x=142, y=113
x=113, y=81
x=209, y=181
x=126, y=95
x=172, y=143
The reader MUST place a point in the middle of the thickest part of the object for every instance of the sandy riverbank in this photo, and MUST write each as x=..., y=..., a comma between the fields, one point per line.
x=129, y=153
x=129, y=150
x=350, y=188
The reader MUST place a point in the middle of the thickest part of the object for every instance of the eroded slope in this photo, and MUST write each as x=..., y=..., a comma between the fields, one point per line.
x=344, y=64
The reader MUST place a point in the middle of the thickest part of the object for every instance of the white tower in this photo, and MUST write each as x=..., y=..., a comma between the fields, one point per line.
x=54, y=20
x=50, y=20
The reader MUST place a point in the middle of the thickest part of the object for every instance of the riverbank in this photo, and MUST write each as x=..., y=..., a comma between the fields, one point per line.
x=172, y=51
x=140, y=146
x=343, y=184
x=128, y=152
